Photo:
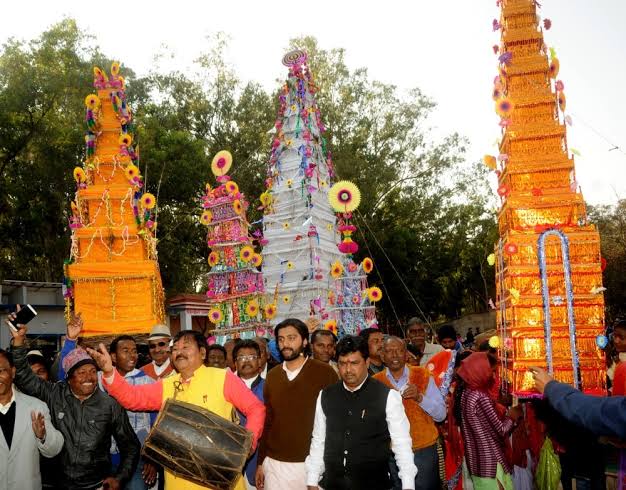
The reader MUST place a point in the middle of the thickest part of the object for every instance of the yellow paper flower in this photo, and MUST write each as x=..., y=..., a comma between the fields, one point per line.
x=289, y=182
x=504, y=107
x=374, y=294
x=246, y=253
x=336, y=270
x=554, y=68
x=99, y=73
x=491, y=259
x=494, y=342
x=286, y=299
x=266, y=199
x=257, y=260
x=115, y=68
x=231, y=187
x=131, y=171
x=237, y=206
x=206, y=217
x=148, y=201
x=344, y=197
x=323, y=184
x=490, y=161
x=92, y=101
x=368, y=265
x=270, y=311
x=125, y=139
x=252, y=308
x=290, y=265
x=214, y=258
x=286, y=225
x=329, y=226
x=221, y=163
x=79, y=175
x=215, y=315
x=331, y=325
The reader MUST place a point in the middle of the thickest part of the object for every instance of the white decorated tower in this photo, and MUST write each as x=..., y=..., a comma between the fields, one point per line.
x=299, y=225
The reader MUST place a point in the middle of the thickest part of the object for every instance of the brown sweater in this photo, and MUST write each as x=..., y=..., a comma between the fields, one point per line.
x=290, y=410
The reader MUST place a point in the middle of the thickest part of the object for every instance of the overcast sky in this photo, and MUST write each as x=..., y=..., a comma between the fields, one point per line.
x=442, y=47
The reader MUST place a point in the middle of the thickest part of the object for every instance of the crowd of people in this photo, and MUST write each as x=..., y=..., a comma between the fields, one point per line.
x=371, y=411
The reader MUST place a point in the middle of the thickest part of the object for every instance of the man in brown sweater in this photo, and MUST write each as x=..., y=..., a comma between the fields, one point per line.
x=290, y=394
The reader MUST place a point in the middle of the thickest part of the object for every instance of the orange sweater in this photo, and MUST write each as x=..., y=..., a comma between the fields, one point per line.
x=423, y=430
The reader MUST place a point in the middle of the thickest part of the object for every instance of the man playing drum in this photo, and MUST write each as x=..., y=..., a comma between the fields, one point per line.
x=218, y=390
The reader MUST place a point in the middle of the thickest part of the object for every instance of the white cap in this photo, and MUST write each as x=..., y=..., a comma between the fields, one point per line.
x=160, y=332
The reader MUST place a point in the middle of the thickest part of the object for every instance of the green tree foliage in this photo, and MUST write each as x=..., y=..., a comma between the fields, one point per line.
x=611, y=222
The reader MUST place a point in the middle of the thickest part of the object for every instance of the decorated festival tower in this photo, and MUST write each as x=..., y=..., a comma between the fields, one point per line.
x=299, y=225
x=112, y=277
x=235, y=285
x=351, y=302
x=548, y=266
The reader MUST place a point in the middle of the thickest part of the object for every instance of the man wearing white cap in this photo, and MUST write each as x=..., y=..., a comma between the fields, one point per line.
x=159, y=349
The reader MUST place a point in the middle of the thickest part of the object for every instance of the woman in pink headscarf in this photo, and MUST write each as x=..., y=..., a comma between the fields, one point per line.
x=484, y=430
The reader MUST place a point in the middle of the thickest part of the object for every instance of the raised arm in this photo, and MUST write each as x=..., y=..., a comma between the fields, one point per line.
x=140, y=398
x=237, y=393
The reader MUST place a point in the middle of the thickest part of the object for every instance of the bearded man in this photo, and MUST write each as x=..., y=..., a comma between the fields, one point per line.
x=290, y=394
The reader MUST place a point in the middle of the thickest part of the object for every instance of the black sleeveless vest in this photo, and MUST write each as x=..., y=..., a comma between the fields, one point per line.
x=357, y=449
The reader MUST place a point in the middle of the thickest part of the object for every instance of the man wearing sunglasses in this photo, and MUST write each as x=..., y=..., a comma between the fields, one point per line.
x=248, y=357
x=159, y=349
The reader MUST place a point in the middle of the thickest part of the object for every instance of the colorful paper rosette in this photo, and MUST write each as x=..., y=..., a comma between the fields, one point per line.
x=246, y=253
x=504, y=107
x=215, y=315
x=206, y=217
x=252, y=308
x=79, y=175
x=148, y=201
x=269, y=310
x=231, y=187
x=368, y=265
x=221, y=163
x=344, y=196
x=125, y=139
x=374, y=294
x=336, y=270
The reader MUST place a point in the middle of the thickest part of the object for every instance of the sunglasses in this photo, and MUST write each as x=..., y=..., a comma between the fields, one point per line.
x=247, y=358
x=157, y=344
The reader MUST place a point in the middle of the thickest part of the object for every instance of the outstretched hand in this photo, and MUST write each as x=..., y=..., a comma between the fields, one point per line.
x=541, y=377
x=39, y=425
x=19, y=335
x=74, y=326
x=102, y=358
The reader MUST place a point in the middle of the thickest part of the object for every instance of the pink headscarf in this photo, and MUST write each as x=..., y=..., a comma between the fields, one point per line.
x=476, y=371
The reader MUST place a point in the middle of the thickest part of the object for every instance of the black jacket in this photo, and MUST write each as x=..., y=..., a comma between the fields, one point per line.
x=86, y=426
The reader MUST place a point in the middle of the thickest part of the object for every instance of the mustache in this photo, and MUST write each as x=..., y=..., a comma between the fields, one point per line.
x=181, y=356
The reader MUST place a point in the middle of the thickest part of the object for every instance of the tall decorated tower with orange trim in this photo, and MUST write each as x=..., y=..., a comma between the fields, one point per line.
x=548, y=265
x=112, y=277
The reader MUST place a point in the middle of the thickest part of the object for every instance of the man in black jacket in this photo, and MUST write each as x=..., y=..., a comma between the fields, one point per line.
x=86, y=416
x=359, y=424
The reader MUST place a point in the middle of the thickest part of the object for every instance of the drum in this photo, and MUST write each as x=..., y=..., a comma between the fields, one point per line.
x=195, y=443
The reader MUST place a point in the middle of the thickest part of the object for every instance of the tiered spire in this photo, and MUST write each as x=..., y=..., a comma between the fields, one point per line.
x=112, y=276
x=548, y=264
x=299, y=225
x=235, y=285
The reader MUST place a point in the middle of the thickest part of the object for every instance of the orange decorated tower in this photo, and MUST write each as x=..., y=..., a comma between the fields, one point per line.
x=548, y=265
x=112, y=277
